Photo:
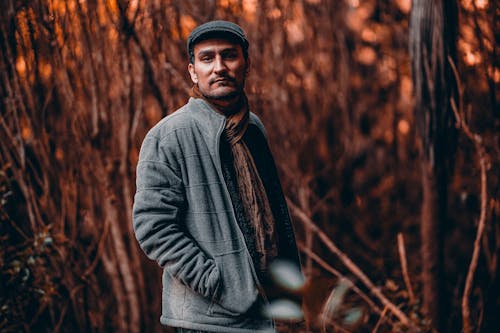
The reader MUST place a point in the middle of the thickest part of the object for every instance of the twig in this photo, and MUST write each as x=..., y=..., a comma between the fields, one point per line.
x=72, y=294
x=332, y=270
x=129, y=29
x=404, y=267
x=481, y=315
x=403, y=318
x=100, y=249
x=484, y=49
x=477, y=140
x=380, y=320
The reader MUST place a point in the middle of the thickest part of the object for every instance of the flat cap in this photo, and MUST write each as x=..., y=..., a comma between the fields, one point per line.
x=219, y=28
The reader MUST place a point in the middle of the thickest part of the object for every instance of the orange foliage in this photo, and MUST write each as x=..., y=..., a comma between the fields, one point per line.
x=187, y=24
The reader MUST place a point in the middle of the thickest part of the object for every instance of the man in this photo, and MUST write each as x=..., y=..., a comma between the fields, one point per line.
x=209, y=207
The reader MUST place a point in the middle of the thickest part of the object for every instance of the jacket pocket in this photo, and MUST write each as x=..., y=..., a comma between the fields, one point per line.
x=173, y=297
x=237, y=290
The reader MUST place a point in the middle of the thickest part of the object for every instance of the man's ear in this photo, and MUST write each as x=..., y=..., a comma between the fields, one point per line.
x=193, y=75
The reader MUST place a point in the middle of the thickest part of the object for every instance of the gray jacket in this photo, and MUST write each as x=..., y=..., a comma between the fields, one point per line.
x=184, y=220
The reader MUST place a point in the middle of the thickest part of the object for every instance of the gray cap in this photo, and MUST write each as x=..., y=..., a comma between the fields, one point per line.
x=215, y=29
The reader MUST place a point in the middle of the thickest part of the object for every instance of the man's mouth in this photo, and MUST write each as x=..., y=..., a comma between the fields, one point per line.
x=222, y=80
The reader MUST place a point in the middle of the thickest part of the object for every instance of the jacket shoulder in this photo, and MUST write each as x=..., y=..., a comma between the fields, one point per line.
x=180, y=118
x=161, y=141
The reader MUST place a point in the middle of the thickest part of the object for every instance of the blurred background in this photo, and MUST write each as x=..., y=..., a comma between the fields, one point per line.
x=394, y=190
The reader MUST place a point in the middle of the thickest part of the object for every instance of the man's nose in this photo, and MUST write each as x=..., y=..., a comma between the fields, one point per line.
x=220, y=65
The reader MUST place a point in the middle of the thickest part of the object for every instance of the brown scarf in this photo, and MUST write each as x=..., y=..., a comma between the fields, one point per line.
x=252, y=191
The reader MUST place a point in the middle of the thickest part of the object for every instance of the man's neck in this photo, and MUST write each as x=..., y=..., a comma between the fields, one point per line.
x=226, y=105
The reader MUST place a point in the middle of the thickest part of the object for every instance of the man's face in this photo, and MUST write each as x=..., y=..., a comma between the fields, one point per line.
x=219, y=68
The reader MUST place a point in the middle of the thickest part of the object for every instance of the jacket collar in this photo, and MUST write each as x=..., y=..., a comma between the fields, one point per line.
x=211, y=121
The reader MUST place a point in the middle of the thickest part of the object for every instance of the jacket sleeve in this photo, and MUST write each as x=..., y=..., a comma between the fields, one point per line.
x=157, y=220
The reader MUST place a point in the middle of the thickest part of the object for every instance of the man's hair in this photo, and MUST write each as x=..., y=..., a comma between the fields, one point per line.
x=217, y=29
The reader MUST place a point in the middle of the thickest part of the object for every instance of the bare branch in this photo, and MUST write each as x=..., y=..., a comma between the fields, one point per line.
x=380, y=320
x=482, y=155
x=339, y=275
x=352, y=267
x=404, y=267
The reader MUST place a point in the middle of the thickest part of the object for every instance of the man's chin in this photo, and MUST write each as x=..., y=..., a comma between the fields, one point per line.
x=224, y=95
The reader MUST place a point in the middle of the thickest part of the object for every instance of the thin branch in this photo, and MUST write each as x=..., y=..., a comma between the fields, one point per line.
x=339, y=275
x=380, y=320
x=404, y=267
x=72, y=294
x=481, y=152
x=481, y=314
x=100, y=249
x=129, y=29
x=403, y=318
x=484, y=64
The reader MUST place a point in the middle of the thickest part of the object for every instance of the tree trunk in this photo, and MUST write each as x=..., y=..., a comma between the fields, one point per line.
x=433, y=26
x=433, y=216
